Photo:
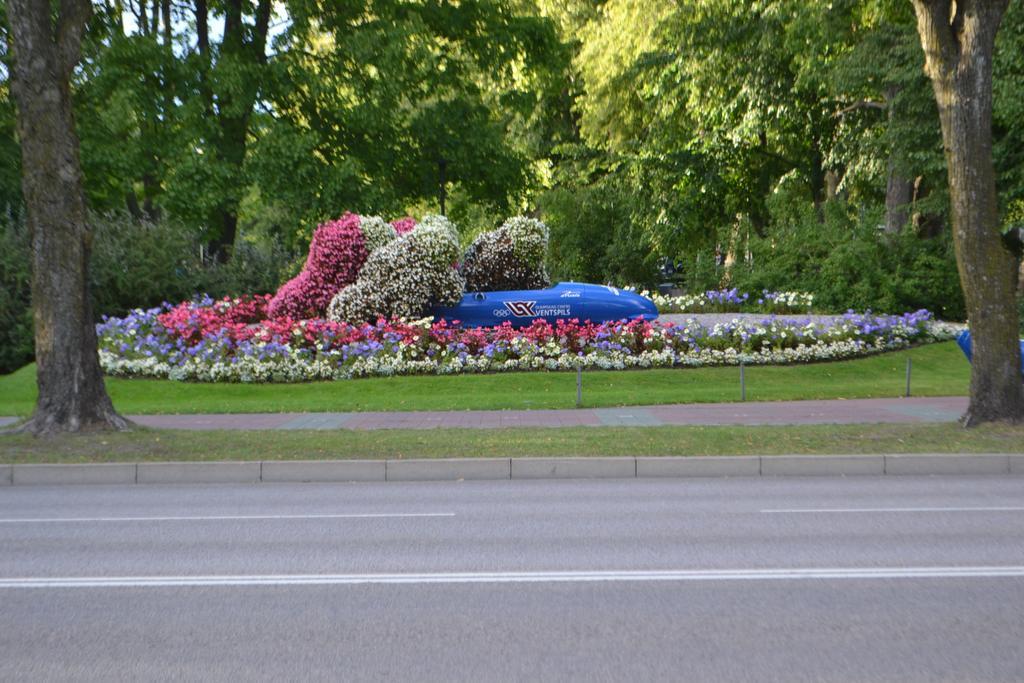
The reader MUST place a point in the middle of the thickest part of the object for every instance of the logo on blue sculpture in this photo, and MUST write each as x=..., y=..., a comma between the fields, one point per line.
x=521, y=309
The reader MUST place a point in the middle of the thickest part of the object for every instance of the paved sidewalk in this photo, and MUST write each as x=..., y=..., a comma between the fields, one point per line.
x=939, y=409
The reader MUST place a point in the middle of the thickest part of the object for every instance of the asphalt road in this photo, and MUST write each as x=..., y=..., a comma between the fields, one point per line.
x=857, y=579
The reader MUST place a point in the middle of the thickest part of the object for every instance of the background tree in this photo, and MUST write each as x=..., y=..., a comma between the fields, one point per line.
x=72, y=396
x=959, y=41
x=379, y=93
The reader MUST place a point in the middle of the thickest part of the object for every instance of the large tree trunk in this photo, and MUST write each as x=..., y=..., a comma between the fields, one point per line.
x=959, y=40
x=899, y=191
x=72, y=396
x=226, y=221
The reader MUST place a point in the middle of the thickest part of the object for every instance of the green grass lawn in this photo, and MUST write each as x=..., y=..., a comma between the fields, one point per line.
x=145, y=444
x=938, y=370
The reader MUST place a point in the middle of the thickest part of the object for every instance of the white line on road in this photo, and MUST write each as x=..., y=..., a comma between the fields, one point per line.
x=936, y=509
x=217, y=518
x=855, y=573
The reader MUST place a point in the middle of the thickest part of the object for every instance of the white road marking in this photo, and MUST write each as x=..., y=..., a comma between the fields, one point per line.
x=855, y=573
x=935, y=509
x=216, y=518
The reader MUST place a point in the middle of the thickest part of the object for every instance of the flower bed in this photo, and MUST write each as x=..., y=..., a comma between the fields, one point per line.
x=231, y=341
x=734, y=301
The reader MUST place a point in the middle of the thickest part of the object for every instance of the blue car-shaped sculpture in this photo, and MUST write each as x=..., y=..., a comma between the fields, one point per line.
x=964, y=342
x=563, y=301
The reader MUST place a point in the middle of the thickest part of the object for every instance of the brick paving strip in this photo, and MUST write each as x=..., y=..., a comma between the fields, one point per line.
x=887, y=410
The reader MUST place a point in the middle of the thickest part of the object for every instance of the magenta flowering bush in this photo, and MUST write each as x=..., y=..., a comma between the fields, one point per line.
x=337, y=253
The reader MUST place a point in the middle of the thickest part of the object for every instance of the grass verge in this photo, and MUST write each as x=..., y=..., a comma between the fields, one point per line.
x=938, y=370
x=151, y=445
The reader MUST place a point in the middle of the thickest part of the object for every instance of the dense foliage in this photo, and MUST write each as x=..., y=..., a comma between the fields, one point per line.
x=848, y=263
x=717, y=126
x=15, y=293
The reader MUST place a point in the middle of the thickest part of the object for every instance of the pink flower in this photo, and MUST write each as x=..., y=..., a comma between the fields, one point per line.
x=336, y=254
x=403, y=225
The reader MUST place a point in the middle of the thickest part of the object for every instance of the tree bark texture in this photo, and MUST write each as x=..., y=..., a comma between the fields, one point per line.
x=899, y=193
x=959, y=41
x=72, y=396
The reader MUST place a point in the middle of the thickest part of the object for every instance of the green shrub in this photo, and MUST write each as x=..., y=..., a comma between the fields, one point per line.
x=847, y=262
x=15, y=294
x=594, y=237
x=254, y=268
x=1020, y=313
x=141, y=264
x=701, y=272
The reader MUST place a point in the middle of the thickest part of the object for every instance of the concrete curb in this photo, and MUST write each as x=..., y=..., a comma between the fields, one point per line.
x=573, y=468
x=323, y=470
x=705, y=466
x=86, y=473
x=947, y=464
x=833, y=465
x=450, y=469
x=199, y=472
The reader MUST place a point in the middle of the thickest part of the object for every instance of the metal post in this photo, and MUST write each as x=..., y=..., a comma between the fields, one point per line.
x=908, y=377
x=579, y=386
x=442, y=164
x=743, y=383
